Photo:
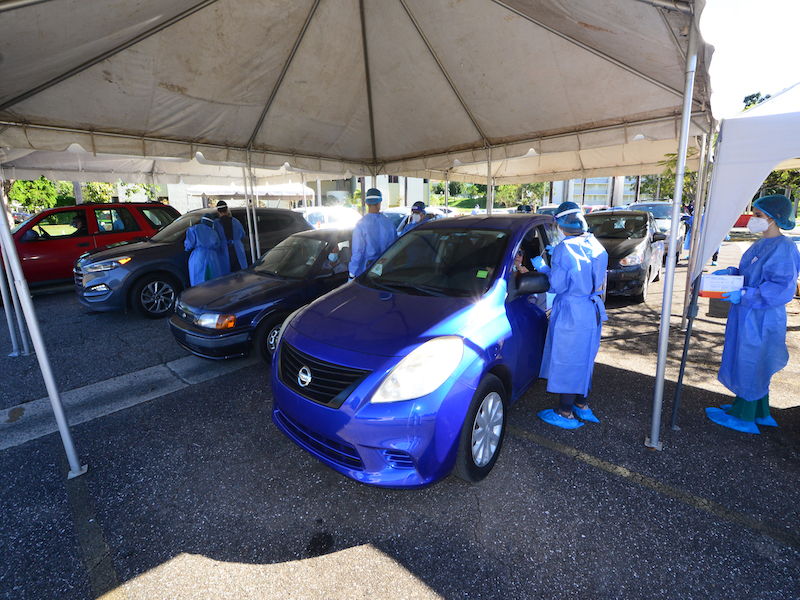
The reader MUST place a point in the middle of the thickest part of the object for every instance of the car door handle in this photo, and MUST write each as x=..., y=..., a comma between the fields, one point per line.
x=83, y=244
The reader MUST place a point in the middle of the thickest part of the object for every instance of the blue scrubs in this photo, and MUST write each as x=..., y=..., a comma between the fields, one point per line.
x=226, y=245
x=373, y=234
x=203, y=242
x=755, y=335
x=577, y=272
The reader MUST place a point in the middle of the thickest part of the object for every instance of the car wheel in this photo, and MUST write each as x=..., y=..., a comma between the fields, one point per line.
x=153, y=296
x=483, y=431
x=642, y=297
x=659, y=272
x=267, y=335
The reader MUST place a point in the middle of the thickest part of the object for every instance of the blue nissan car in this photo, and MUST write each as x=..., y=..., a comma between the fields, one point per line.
x=408, y=372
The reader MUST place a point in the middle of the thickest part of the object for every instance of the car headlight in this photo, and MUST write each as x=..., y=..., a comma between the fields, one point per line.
x=633, y=259
x=106, y=265
x=215, y=321
x=422, y=371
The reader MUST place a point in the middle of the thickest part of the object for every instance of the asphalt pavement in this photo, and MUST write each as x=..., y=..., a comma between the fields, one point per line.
x=191, y=491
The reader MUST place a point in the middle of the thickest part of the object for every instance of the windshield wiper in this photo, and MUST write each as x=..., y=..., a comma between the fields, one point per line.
x=431, y=291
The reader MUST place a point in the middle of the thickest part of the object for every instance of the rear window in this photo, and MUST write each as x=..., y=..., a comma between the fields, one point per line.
x=159, y=217
x=617, y=225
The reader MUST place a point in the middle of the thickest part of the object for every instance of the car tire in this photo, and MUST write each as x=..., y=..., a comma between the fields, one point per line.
x=266, y=335
x=483, y=431
x=642, y=296
x=659, y=272
x=153, y=296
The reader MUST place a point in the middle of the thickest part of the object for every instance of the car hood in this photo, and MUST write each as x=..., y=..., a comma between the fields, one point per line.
x=237, y=291
x=383, y=323
x=126, y=249
x=620, y=247
x=664, y=224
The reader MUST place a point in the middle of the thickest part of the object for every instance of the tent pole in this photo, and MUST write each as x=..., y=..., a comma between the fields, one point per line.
x=446, y=188
x=7, y=241
x=253, y=201
x=318, y=199
x=303, y=183
x=669, y=279
x=699, y=209
x=12, y=330
x=26, y=347
x=253, y=256
x=489, y=199
x=692, y=310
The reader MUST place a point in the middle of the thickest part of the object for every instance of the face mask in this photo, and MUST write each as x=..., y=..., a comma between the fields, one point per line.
x=333, y=257
x=757, y=225
x=416, y=218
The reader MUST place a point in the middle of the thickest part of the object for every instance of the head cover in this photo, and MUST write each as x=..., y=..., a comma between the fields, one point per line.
x=207, y=220
x=569, y=217
x=779, y=208
x=374, y=196
x=418, y=206
x=222, y=204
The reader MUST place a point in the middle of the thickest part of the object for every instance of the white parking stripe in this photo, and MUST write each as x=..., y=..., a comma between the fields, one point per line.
x=35, y=419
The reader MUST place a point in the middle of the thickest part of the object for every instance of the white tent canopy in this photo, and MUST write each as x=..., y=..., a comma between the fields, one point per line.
x=750, y=146
x=337, y=86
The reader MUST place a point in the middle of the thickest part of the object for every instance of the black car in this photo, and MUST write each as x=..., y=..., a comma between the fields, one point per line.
x=635, y=249
x=226, y=316
x=148, y=275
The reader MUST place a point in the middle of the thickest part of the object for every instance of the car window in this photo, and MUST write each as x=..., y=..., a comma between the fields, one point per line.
x=66, y=223
x=659, y=211
x=158, y=217
x=292, y=258
x=273, y=222
x=440, y=262
x=177, y=229
x=111, y=220
x=617, y=225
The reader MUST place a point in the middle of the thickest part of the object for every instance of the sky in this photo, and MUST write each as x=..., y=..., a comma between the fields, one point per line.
x=756, y=49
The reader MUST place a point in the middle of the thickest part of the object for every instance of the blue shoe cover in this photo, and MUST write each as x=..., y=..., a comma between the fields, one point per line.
x=585, y=414
x=766, y=421
x=720, y=417
x=550, y=416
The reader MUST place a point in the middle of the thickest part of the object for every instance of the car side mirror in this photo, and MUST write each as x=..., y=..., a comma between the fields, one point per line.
x=532, y=283
x=658, y=237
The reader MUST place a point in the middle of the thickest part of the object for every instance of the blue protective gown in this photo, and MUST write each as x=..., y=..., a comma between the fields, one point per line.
x=373, y=234
x=755, y=335
x=203, y=243
x=577, y=272
x=227, y=245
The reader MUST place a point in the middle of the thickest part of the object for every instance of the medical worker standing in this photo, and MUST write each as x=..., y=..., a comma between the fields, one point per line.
x=755, y=334
x=373, y=234
x=577, y=275
x=231, y=249
x=418, y=215
x=203, y=243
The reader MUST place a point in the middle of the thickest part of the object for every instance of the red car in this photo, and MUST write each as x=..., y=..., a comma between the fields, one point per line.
x=49, y=242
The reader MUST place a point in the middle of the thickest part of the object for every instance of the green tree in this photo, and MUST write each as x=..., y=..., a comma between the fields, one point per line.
x=438, y=188
x=148, y=189
x=95, y=191
x=454, y=187
x=34, y=195
x=65, y=194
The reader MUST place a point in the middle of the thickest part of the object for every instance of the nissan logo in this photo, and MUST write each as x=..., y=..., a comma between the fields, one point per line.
x=304, y=376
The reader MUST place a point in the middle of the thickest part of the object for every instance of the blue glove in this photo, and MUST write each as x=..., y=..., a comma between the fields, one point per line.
x=723, y=271
x=733, y=297
x=540, y=265
x=549, y=249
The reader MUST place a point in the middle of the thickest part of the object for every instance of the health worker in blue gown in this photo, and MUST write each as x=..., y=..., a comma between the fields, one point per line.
x=577, y=274
x=373, y=234
x=203, y=243
x=755, y=334
x=231, y=249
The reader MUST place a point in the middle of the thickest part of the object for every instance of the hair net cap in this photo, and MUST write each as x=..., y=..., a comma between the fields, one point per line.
x=778, y=207
x=419, y=206
x=569, y=217
x=373, y=196
x=207, y=220
x=222, y=204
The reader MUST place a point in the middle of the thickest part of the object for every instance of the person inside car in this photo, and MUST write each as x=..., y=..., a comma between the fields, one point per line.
x=80, y=225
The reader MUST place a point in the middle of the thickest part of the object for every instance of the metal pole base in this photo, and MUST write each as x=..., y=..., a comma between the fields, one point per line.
x=78, y=473
x=657, y=446
x=675, y=428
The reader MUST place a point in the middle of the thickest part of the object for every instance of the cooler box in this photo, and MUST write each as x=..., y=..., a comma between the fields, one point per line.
x=713, y=286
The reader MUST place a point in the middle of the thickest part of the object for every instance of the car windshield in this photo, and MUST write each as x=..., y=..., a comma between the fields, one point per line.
x=293, y=258
x=659, y=211
x=440, y=262
x=177, y=229
x=617, y=225
x=395, y=217
x=547, y=210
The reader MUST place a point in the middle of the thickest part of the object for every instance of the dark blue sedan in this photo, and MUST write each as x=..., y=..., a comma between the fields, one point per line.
x=408, y=373
x=226, y=317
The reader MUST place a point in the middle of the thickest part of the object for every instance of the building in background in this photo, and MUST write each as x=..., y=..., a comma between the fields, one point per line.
x=599, y=191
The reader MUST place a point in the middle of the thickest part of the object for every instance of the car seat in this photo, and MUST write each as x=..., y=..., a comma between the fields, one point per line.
x=345, y=255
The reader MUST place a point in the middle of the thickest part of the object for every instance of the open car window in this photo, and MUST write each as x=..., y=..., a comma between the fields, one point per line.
x=440, y=262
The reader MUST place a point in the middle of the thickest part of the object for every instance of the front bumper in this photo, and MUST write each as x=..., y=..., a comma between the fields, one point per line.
x=210, y=344
x=100, y=291
x=407, y=444
x=625, y=281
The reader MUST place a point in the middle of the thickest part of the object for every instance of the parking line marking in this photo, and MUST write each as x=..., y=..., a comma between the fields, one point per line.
x=784, y=535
